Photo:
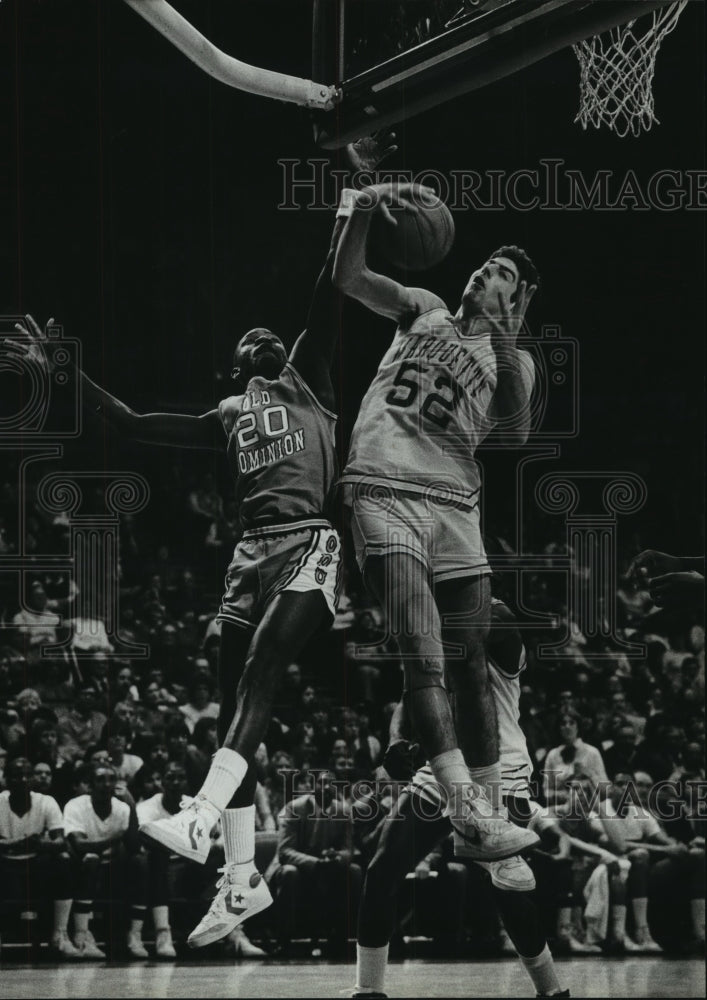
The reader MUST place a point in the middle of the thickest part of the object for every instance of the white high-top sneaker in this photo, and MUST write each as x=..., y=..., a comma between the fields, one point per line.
x=188, y=831
x=239, y=895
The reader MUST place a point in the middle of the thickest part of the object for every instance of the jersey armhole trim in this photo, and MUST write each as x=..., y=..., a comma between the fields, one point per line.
x=310, y=392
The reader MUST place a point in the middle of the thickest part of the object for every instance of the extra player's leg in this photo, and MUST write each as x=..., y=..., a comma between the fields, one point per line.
x=405, y=839
x=400, y=583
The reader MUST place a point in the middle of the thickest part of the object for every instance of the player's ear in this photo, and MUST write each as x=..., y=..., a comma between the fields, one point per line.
x=235, y=374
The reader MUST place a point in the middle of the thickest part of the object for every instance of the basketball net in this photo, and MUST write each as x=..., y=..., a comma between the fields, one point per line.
x=617, y=69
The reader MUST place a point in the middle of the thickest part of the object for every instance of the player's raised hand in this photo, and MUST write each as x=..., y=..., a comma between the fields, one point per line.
x=507, y=322
x=650, y=563
x=366, y=153
x=34, y=337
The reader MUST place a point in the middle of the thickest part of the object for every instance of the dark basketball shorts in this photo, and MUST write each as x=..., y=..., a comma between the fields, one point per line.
x=267, y=561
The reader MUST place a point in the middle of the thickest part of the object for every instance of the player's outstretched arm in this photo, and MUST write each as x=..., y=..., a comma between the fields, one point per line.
x=180, y=430
x=352, y=275
x=313, y=352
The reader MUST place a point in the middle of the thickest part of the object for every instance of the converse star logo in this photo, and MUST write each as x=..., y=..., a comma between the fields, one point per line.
x=231, y=904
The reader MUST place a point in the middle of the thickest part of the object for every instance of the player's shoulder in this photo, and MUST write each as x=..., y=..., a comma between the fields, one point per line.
x=419, y=302
x=229, y=410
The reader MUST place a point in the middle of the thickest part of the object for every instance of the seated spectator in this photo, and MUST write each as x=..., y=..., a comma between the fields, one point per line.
x=35, y=624
x=572, y=831
x=146, y=783
x=34, y=864
x=122, y=683
x=55, y=685
x=314, y=878
x=628, y=827
x=167, y=875
x=42, y=777
x=126, y=765
x=30, y=707
x=102, y=834
x=570, y=758
x=275, y=782
x=43, y=745
x=660, y=752
x=88, y=635
x=201, y=704
x=82, y=725
x=618, y=756
x=676, y=888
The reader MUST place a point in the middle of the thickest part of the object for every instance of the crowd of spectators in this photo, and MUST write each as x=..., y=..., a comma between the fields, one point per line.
x=92, y=743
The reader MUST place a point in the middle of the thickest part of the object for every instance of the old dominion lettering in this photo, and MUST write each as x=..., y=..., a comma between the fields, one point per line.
x=274, y=451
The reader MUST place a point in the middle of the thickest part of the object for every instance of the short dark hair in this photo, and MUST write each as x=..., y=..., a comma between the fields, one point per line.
x=527, y=270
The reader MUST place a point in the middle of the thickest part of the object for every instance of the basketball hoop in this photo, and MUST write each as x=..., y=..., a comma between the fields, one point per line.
x=617, y=69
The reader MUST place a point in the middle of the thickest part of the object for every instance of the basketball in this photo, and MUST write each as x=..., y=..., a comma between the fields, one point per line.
x=420, y=240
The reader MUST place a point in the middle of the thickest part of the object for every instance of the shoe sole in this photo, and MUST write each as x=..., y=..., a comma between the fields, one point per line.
x=214, y=934
x=151, y=833
x=463, y=847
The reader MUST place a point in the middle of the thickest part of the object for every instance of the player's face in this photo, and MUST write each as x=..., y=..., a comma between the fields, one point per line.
x=497, y=279
x=261, y=353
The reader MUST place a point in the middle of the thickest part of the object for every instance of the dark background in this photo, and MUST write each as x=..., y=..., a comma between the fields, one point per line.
x=139, y=208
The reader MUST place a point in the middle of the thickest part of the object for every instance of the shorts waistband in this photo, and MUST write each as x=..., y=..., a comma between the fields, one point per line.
x=356, y=488
x=268, y=530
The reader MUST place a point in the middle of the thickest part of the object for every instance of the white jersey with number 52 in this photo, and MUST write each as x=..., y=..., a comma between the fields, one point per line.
x=426, y=410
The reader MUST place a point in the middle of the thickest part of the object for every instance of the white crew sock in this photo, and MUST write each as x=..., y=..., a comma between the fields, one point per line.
x=452, y=773
x=226, y=773
x=238, y=827
x=371, y=964
x=489, y=777
x=160, y=918
x=541, y=970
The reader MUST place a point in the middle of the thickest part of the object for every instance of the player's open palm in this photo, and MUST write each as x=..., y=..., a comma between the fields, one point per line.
x=32, y=345
x=507, y=321
x=366, y=153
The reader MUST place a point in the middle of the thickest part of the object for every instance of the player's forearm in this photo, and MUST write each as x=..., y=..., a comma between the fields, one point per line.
x=511, y=401
x=350, y=269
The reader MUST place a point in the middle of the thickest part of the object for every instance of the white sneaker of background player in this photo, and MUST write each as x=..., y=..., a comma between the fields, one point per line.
x=241, y=893
x=482, y=834
x=188, y=832
x=510, y=873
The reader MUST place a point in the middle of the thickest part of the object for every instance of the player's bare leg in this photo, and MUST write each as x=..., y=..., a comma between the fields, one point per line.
x=288, y=623
x=465, y=609
x=400, y=583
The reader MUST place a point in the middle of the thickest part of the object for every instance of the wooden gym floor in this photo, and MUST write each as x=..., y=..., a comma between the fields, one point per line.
x=586, y=977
